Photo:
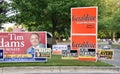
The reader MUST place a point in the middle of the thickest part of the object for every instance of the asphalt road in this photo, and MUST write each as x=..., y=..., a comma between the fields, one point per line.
x=116, y=58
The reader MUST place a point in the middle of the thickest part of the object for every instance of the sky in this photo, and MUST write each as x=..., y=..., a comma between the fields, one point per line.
x=7, y=25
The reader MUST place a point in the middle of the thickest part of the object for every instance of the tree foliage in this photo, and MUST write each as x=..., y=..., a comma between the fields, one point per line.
x=54, y=15
x=3, y=11
x=110, y=20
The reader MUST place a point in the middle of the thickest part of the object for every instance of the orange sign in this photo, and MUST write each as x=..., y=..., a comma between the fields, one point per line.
x=83, y=41
x=84, y=32
x=84, y=20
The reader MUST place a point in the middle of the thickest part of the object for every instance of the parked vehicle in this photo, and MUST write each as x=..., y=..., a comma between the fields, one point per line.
x=50, y=40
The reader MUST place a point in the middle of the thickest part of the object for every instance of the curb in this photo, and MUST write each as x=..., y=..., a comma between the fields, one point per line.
x=1, y=70
x=58, y=69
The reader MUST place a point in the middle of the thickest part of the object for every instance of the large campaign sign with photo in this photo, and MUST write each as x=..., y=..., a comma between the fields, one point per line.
x=20, y=47
x=84, y=32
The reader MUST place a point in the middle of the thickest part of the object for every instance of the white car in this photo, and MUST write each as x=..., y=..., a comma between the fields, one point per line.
x=106, y=47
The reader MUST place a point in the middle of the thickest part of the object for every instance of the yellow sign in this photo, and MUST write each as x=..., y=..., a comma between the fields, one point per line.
x=18, y=56
x=105, y=54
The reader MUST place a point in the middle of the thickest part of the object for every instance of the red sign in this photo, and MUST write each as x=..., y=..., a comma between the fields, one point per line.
x=18, y=43
x=84, y=32
x=22, y=45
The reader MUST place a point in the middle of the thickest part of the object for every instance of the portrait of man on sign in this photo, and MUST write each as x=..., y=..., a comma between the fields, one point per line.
x=35, y=40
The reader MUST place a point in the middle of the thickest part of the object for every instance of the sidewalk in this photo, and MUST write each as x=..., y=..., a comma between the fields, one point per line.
x=59, y=70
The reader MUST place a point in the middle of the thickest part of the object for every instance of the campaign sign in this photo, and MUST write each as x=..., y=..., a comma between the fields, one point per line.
x=105, y=54
x=57, y=49
x=20, y=47
x=43, y=52
x=86, y=46
x=84, y=20
x=87, y=52
x=84, y=32
x=69, y=54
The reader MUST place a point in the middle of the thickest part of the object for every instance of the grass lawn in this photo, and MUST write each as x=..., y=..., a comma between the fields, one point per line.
x=116, y=46
x=56, y=61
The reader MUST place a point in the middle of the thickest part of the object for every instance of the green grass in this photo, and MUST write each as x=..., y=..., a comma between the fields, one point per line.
x=55, y=61
x=116, y=46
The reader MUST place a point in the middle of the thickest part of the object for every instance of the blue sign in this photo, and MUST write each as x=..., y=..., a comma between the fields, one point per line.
x=24, y=60
x=30, y=59
x=1, y=54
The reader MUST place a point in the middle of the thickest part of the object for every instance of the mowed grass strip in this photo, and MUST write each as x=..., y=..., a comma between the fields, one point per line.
x=55, y=61
x=116, y=46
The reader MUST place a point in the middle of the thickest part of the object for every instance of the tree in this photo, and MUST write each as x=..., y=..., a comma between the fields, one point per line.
x=58, y=12
x=10, y=29
x=110, y=20
x=54, y=15
x=59, y=16
x=29, y=12
x=3, y=12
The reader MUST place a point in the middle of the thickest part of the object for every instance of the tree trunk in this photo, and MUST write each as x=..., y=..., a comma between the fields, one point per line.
x=29, y=28
x=54, y=24
x=114, y=37
x=59, y=38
